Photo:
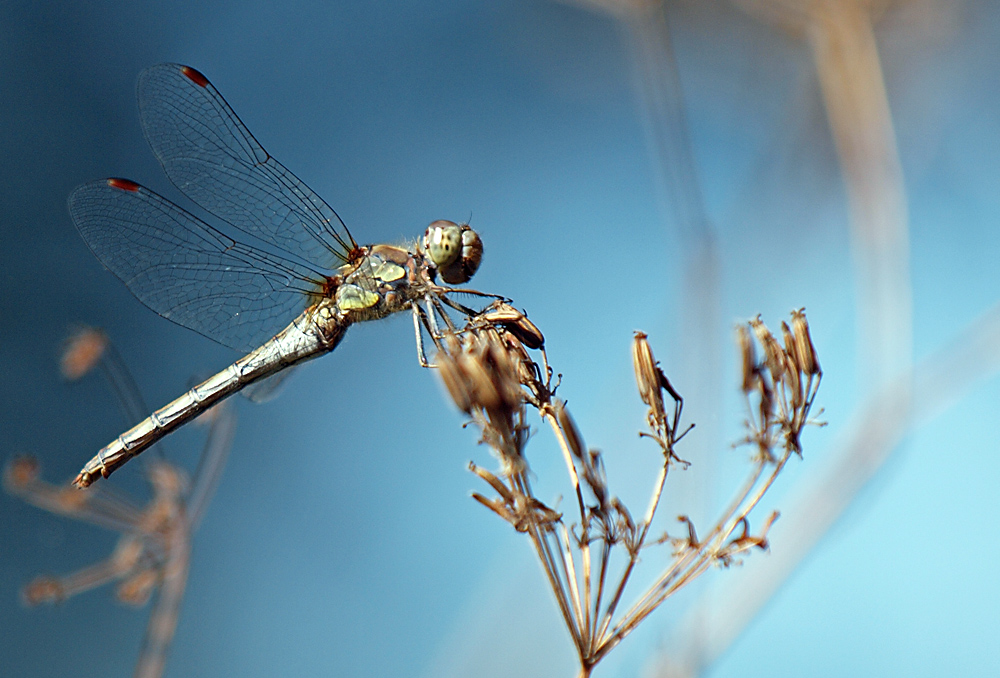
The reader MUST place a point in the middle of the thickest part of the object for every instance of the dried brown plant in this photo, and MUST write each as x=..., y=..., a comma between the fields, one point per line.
x=488, y=371
x=154, y=551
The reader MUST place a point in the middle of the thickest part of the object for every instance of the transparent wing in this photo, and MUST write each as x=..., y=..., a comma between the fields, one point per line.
x=269, y=388
x=211, y=156
x=186, y=270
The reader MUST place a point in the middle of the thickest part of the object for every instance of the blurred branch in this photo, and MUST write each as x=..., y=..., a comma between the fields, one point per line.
x=658, y=84
x=844, y=48
x=857, y=105
x=842, y=39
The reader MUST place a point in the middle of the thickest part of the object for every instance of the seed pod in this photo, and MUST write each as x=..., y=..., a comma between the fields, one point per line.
x=505, y=373
x=794, y=384
x=494, y=482
x=804, y=349
x=790, y=348
x=596, y=477
x=477, y=376
x=647, y=375
x=497, y=507
x=566, y=423
x=527, y=369
x=774, y=356
x=749, y=358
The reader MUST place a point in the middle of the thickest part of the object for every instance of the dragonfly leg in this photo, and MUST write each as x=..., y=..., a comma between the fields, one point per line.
x=461, y=308
x=418, y=318
x=433, y=328
x=436, y=302
x=428, y=317
x=443, y=291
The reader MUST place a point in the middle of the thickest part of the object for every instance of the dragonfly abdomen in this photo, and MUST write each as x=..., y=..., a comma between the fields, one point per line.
x=315, y=332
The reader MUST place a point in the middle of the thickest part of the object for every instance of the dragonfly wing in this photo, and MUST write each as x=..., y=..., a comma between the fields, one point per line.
x=266, y=390
x=211, y=156
x=186, y=270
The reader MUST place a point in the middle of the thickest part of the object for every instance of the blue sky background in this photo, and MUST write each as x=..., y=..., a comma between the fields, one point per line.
x=342, y=540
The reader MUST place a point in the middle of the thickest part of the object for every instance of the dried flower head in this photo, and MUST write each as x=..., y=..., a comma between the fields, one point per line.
x=42, y=589
x=20, y=471
x=82, y=351
x=482, y=373
x=784, y=385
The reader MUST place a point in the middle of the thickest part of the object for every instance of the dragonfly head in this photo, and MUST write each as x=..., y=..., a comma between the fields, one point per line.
x=455, y=250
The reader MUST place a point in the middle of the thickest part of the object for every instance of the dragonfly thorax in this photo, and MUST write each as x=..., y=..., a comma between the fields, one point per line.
x=456, y=250
x=383, y=281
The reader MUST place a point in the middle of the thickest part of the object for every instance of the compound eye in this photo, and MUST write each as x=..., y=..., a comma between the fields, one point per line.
x=443, y=243
x=455, y=251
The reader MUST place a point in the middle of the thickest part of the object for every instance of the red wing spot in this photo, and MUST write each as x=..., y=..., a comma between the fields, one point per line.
x=194, y=76
x=124, y=185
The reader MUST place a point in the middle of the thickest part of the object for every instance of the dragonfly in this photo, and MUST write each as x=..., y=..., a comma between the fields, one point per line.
x=153, y=554
x=287, y=257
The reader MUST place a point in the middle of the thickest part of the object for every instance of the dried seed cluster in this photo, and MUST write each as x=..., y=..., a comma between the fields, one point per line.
x=781, y=386
x=490, y=375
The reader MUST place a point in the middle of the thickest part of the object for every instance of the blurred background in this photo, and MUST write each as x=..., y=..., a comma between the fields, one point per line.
x=673, y=168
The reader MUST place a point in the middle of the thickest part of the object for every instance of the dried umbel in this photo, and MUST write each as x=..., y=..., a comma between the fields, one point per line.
x=152, y=555
x=781, y=387
x=488, y=370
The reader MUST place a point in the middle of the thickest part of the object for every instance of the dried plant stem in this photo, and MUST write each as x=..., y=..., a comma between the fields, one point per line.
x=633, y=559
x=488, y=373
x=546, y=413
x=694, y=562
x=554, y=567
